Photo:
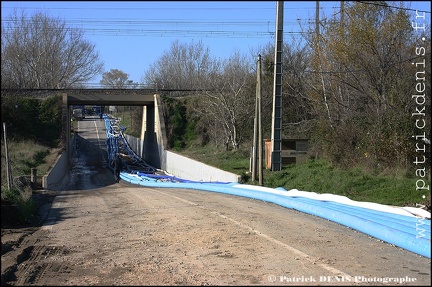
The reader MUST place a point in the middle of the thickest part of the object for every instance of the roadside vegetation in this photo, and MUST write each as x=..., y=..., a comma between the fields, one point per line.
x=23, y=156
x=34, y=132
x=390, y=187
x=347, y=88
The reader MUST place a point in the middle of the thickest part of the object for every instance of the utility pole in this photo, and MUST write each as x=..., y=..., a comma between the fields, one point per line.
x=260, y=138
x=257, y=148
x=8, y=169
x=255, y=135
x=342, y=14
x=276, y=136
x=317, y=29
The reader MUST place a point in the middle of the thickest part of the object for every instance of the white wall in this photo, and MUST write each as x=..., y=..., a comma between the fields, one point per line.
x=187, y=168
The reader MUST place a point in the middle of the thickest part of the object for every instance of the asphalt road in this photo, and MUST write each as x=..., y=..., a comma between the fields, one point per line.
x=99, y=232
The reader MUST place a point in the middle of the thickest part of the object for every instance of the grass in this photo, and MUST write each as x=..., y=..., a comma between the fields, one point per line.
x=22, y=200
x=23, y=156
x=314, y=176
x=321, y=177
x=233, y=161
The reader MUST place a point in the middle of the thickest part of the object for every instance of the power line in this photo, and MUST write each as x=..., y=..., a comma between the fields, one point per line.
x=92, y=84
x=188, y=22
x=390, y=6
x=160, y=8
x=371, y=68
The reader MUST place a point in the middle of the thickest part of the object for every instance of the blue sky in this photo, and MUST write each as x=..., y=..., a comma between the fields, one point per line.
x=131, y=36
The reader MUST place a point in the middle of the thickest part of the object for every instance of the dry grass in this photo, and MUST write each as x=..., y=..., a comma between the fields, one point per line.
x=25, y=155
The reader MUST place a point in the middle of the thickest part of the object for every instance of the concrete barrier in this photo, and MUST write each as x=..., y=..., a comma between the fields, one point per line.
x=57, y=172
x=184, y=167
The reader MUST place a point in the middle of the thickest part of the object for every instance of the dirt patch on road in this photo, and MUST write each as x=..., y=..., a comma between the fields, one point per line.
x=93, y=231
x=15, y=229
x=127, y=235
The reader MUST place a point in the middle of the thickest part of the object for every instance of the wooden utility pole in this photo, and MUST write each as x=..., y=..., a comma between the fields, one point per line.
x=260, y=138
x=276, y=136
x=257, y=149
x=317, y=10
x=255, y=135
x=8, y=169
x=342, y=14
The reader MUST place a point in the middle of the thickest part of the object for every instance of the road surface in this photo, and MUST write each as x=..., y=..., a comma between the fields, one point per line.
x=98, y=232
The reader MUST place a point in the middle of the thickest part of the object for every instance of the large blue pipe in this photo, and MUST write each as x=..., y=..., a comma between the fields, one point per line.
x=400, y=222
x=408, y=232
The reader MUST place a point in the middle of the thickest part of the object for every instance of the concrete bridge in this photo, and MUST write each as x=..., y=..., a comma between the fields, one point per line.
x=152, y=144
x=153, y=128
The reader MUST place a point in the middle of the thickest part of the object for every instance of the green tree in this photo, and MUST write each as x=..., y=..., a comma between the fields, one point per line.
x=361, y=76
x=35, y=119
x=117, y=79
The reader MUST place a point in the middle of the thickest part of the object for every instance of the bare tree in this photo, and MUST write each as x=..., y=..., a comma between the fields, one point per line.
x=225, y=104
x=231, y=100
x=184, y=66
x=42, y=52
